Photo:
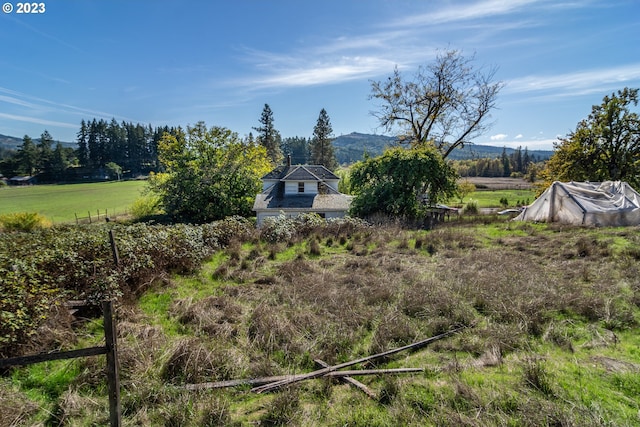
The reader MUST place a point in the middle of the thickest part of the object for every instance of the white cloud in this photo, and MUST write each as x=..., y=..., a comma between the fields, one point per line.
x=39, y=106
x=518, y=136
x=578, y=83
x=347, y=68
x=499, y=137
x=458, y=12
x=38, y=121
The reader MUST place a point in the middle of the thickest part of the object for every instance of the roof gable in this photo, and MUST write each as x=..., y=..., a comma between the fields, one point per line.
x=301, y=173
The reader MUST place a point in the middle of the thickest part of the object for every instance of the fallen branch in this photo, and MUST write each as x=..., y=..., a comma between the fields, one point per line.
x=347, y=379
x=268, y=380
x=324, y=371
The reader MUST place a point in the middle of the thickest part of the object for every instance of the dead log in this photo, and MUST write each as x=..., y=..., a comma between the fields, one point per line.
x=324, y=371
x=347, y=379
x=268, y=380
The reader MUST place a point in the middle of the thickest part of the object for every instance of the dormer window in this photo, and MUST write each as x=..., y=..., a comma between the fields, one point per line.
x=301, y=187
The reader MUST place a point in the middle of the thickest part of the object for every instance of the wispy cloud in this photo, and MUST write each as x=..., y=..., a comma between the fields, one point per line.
x=38, y=121
x=464, y=12
x=374, y=52
x=347, y=68
x=39, y=106
x=577, y=83
x=499, y=137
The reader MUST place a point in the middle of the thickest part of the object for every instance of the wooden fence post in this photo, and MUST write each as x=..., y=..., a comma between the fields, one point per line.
x=113, y=378
x=114, y=248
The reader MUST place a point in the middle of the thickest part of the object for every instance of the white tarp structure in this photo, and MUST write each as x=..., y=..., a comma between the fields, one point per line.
x=609, y=203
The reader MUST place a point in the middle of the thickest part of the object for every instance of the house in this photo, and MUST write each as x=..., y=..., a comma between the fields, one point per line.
x=608, y=203
x=293, y=190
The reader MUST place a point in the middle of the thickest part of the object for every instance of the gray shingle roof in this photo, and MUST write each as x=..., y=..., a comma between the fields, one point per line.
x=273, y=198
x=301, y=173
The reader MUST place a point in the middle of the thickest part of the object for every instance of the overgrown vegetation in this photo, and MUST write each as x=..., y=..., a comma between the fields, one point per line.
x=552, y=311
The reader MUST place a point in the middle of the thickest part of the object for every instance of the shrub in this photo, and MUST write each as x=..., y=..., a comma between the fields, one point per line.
x=471, y=207
x=23, y=221
x=146, y=206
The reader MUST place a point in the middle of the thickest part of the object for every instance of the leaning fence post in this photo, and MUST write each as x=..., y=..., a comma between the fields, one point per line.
x=114, y=248
x=113, y=378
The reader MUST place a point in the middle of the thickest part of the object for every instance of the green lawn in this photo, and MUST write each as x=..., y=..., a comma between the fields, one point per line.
x=60, y=203
x=491, y=198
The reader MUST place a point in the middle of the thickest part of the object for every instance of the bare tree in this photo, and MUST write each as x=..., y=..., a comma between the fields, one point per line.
x=446, y=104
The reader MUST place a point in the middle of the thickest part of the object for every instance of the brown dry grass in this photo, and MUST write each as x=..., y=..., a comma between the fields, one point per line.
x=342, y=294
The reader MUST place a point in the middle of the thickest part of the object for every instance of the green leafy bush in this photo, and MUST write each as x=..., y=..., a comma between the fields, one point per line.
x=76, y=262
x=23, y=221
x=146, y=206
x=471, y=207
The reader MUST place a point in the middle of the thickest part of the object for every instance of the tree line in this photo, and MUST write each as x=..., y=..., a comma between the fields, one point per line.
x=519, y=164
x=109, y=149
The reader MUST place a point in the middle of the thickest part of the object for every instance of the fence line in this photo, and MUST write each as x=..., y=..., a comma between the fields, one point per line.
x=91, y=218
x=111, y=351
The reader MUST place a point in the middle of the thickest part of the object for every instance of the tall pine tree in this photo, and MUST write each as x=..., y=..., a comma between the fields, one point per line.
x=321, y=148
x=27, y=156
x=83, y=147
x=45, y=152
x=268, y=136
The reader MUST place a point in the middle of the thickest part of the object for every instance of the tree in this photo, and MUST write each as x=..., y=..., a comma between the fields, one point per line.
x=115, y=169
x=605, y=146
x=465, y=188
x=268, y=136
x=506, y=164
x=321, y=148
x=83, y=147
x=44, y=152
x=210, y=173
x=394, y=183
x=59, y=160
x=446, y=104
x=298, y=148
x=27, y=156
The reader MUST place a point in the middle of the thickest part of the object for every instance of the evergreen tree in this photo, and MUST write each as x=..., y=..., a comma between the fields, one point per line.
x=45, y=152
x=59, y=161
x=27, y=156
x=526, y=160
x=506, y=166
x=92, y=143
x=298, y=148
x=83, y=148
x=268, y=136
x=321, y=148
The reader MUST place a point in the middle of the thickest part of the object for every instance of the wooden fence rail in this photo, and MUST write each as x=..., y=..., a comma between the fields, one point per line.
x=97, y=216
x=111, y=351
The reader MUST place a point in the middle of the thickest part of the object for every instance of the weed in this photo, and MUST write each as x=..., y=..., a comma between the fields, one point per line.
x=283, y=408
x=536, y=377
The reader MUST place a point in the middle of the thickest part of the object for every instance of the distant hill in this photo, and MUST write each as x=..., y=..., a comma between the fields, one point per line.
x=9, y=142
x=351, y=148
x=12, y=142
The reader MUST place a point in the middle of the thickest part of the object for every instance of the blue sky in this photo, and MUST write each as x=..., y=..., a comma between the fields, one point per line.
x=176, y=63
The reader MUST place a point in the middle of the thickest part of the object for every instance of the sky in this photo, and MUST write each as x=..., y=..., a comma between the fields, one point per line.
x=176, y=63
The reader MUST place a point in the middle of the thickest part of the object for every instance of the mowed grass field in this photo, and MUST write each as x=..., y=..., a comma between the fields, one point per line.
x=60, y=203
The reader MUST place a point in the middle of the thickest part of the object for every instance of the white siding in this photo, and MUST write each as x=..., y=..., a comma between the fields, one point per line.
x=291, y=187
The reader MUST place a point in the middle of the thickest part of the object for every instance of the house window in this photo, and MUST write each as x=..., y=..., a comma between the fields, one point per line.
x=301, y=187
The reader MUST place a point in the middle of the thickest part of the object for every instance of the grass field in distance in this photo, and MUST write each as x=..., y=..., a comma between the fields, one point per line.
x=60, y=203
